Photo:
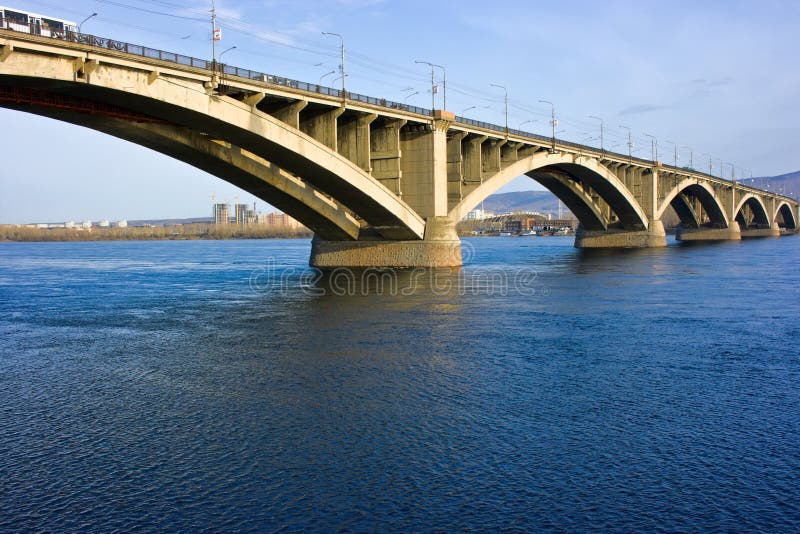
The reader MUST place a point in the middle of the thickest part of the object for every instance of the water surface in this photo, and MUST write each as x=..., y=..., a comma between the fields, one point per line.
x=219, y=385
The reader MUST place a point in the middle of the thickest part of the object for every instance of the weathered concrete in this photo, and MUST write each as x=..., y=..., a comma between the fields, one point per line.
x=709, y=234
x=440, y=248
x=774, y=231
x=654, y=236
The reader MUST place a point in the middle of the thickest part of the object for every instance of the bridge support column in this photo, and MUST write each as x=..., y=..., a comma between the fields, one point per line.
x=773, y=231
x=654, y=236
x=439, y=248
x=709, y=234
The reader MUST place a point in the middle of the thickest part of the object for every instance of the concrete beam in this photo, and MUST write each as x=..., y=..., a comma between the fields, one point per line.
x=385, y=153
x=290, y=113
x=6, y=51
x=354, y=138
x=253, y=99
x=321, y=125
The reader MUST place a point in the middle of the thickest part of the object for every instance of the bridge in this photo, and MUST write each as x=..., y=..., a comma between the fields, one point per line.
x=380, y=183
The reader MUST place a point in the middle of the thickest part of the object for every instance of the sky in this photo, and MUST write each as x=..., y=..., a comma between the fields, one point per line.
x=719, y=79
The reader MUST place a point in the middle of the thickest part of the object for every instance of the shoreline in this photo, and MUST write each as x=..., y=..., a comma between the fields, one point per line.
x=191, y=232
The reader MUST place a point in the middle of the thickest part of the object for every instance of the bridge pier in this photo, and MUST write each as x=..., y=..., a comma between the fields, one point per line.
x=654, y=236
x=710, y=234
x=440, y=247
x=773, y=231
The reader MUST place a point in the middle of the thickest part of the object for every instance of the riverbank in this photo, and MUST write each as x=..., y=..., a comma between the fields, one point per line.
x=151, y=233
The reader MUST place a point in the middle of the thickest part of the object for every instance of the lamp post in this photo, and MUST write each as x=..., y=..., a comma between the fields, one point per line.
x=523, y=123
x=710, y=162
x=505, y=100
x=630, y=145
x=224, y=51
x=341, y=42
x=84, y=20
x=324, y=75
x=602, y=147
x=552, y=121
x=433, y=83
x=654, y=147
x=409, y=96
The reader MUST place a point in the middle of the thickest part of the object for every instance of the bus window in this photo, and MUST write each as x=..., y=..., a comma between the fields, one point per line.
x=16, y=18
x=53, y=25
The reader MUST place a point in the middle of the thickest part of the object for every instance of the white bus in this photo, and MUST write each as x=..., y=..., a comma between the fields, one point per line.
x=23, y=21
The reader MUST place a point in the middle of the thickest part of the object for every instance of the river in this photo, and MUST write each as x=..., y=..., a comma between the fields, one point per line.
x=222, y=385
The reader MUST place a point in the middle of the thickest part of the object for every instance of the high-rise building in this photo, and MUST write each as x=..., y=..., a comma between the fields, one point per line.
x=244, y=215
x=221, y=213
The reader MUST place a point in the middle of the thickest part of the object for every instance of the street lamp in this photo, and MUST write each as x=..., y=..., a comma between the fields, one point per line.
x=84, y=20
x=226, y=50
x=433, y=83
x=602, y=148
x=630, y=145
x=324, y=75
x=341, y=41
x=505, y=99
x=654, y=147
x=710, y=162
x=524, y=123
x=409, y=96
x=553, y=121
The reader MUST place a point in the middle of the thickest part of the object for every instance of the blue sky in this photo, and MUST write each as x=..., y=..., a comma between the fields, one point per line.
x=720, y=77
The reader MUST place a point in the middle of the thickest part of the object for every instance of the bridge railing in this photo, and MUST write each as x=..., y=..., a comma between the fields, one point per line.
x=230, y=70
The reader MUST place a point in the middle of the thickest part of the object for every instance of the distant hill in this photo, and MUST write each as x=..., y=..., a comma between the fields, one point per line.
x=546, y=202
x=541, y=201
x=786, y=184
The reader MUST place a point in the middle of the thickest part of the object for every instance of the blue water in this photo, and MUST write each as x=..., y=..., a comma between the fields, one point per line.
x=218, y=386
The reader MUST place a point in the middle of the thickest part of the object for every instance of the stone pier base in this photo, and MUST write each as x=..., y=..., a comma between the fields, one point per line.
x=709, y=234
x=775, y=231
x=440, y=248
x=654, y=236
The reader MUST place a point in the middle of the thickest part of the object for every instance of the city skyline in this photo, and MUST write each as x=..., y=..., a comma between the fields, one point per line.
x=716, y=79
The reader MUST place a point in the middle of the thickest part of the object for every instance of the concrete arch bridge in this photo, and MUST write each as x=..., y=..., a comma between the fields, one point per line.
x=380, y=183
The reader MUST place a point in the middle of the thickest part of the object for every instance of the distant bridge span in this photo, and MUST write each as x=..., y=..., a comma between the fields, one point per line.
x=380, y=183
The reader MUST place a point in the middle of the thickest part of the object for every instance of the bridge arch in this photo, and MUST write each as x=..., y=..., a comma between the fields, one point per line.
x=564, y=175
x=751, y=212
x=707, y=197
x=784, y=210
x=182, y=102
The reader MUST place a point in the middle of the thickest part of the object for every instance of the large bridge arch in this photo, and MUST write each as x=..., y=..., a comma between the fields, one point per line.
x=561, y=174
x=181, y=101
x=787, y=214
x=706, y=196
x=315, y=210
x=757, y=209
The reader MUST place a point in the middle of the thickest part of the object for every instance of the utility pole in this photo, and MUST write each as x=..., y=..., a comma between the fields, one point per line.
x=433, y=83
x=630, y=144
x=214, y=36
x=553, y=121
x=341, y=42
x=602, y=147
x=653, y=147
x=505, y=99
